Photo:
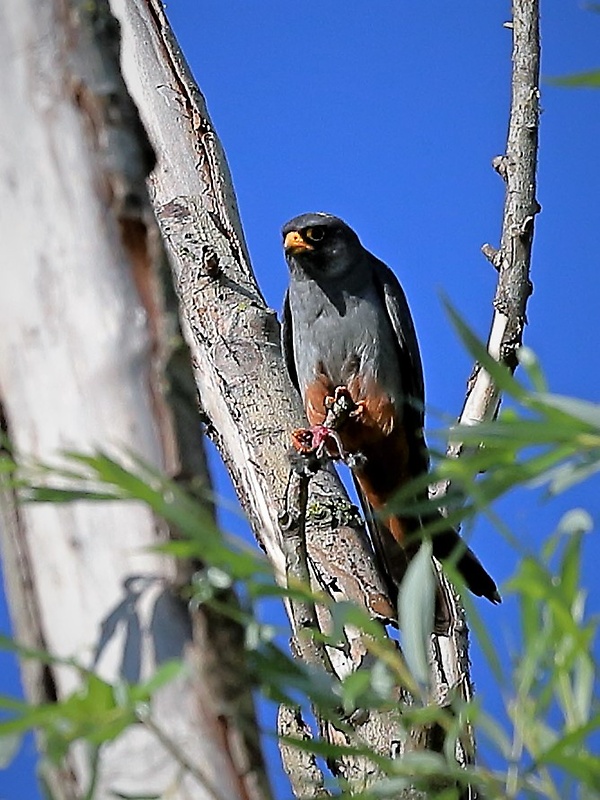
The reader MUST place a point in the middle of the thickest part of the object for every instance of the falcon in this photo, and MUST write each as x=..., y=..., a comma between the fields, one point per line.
x=348, y=333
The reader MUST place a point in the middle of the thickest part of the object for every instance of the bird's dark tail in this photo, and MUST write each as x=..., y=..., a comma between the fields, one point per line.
x=448, y=545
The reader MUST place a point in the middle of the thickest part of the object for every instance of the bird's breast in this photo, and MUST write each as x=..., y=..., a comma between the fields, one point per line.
x=344, y=341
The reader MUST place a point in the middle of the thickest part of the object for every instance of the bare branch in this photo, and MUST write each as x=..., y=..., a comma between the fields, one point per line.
x=303, y=612
x=518, y=168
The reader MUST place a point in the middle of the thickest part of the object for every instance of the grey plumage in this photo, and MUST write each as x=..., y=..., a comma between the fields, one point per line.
x=353, y=317
x=346, y=323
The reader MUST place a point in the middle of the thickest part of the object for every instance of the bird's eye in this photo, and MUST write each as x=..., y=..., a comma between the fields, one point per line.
x=315, y=234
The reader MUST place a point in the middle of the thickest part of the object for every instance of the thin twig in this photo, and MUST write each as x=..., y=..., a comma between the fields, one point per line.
x=513, y=259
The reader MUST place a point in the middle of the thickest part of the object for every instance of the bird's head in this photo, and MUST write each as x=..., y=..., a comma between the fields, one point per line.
x=321, y=245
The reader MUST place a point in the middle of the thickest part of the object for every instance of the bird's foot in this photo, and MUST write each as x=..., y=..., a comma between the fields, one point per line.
x=323, y=439
x=319, y=440
x=342, y=398
x=316, y=440
x=359, y=410
x=341, y=407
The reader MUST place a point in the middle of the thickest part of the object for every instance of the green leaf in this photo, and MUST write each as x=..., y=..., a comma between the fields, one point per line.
x=354, y=687
x=484, y=638
x=581, y=410
x=579, y=80
x=584, y=681
x=422, y=762
x=181, y=510
x=47, y=494
x=166, y=673
x=565, y=476
x=7, y=466
x=346, y=613
x=495, y=733
x=570, y=568
x=415, y=612
x=10, y=745
x=530, y=363
x=584, y=766
x=328, y=750
x=573, y=741
x=499, y=373
x=6, y=643
x=381, y=679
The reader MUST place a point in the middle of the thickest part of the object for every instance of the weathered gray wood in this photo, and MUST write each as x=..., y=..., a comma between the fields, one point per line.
x=85, y=356
x=246, y=395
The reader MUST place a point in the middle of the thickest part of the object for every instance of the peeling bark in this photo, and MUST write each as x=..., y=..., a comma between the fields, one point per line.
x=91, y=357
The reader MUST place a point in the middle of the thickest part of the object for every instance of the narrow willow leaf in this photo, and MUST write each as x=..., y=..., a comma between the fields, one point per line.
x=583, y=687
x=382, y=680
x=6, y=643
x=166, y=673
x=572, y=741
x=568, y=475
x=47, y=494
x=354, y=687
x=584, y=766
x=329, y=750
x=582, y=410
x=415, y=612
x=579, y=80
x=484, y=638
x=530, y=363
x=500, y=374
x=9, y=747
x=495, y=733
x=570, y=568
x=422, y=762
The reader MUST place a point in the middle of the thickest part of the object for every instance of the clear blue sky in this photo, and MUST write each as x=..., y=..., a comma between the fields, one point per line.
x=388, y=114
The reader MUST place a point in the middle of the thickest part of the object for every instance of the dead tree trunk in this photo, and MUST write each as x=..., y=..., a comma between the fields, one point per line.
x=89, y=359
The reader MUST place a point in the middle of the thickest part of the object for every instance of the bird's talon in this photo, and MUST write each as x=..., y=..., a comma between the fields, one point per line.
x=342, y=396
x=359, y=411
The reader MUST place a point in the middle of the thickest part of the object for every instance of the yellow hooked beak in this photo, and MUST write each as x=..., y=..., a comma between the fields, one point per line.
x=294, y=243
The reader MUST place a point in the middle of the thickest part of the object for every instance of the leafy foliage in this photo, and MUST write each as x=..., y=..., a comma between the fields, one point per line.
x=552, y=714
x=580, y=80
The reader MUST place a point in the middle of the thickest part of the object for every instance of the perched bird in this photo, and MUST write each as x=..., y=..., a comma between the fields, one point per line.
x=347, y=328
